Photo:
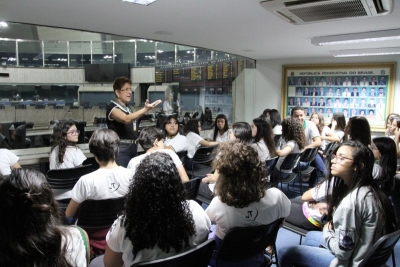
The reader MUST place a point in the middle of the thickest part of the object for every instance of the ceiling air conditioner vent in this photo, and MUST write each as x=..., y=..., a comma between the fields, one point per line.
x=308, y=11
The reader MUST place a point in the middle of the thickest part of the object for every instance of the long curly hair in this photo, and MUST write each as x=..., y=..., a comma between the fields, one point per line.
x=293, y=130
x=264, y=131
x=240, y=174
x=62, y=140
x=388, y=160
x=363, y=162
x=30, y=230
x=358, y=128
x=216, y=130
x=156, y=210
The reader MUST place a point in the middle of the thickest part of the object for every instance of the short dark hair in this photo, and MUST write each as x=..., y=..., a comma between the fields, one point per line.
x=104, y=144
x=120, y=82
x=148, y=135
x=192, y=126
x=296, y=108
x=242, y=132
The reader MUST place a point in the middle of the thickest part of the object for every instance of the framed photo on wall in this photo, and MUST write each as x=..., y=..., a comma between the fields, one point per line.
x=365, y=89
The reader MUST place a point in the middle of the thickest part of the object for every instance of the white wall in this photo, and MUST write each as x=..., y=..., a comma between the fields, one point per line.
x=269, y=78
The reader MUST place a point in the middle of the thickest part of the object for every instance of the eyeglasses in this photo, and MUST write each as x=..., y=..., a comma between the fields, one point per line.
x=172, y=123
x=339, y=158
x=74, y=132
x=126, y=90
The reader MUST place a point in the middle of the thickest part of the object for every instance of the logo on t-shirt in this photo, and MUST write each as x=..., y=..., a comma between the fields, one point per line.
x=346, y=239
x=114, y=186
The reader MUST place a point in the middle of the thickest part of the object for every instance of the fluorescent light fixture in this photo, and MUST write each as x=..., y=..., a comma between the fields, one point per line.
x=357, y=37
x=367, y=52
x=3, y=24
x=140, y=2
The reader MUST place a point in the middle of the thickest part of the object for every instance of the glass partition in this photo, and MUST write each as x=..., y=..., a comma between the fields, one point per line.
x=103, y=52
x=203, y=55
x=30, y=54
x=125, y=52
x=165, y=54
x=8, y=55
x=79, y=53
x=185, y=54
x=55, y=54
x=145, y=53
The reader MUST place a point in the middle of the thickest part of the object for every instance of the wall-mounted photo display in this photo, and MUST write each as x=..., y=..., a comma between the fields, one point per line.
x=352, y=89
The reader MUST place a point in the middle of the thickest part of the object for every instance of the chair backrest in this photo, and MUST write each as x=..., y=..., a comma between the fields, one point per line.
x=182, y=156
x=198, y=256
x=290, y=162
x=329, y=148
x=241, y=243
x=277, y=140
x=192, y=188
x=380, y=252
x=100, y=213
x=204, y=155
x=269, y=165
x=67, y=178
x=309, y=154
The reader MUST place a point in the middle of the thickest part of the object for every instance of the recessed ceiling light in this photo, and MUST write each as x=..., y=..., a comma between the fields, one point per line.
x=140, y=2
x=367, y=52
x=361, y=37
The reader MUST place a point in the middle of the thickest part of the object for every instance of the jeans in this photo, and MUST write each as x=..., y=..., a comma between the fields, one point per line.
x=126, y=153
x=307, y=255
x=320, y=168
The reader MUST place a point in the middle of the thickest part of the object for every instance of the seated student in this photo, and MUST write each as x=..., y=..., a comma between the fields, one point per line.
x=221, y=130
x=359, y=213
x=65, y=154
x=109, y=181
x=172, y=224
x=173, y=139
x=293, y=141
x=263, y=141
x=241, y=198
x=8, y=161
x=31, y=233
x=192, y=131
x=152, y=139
x=241, y=131
x=4, y=142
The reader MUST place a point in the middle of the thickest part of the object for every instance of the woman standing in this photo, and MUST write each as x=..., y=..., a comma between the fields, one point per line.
x=122, y=120
x=263, y=138
x=155, y=225
x=221, y=131
x=359, y=213
x=31, y=233
x=65, y=154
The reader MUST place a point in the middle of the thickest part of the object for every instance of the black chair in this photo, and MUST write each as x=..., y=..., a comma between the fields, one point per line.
x=241, y=243
x=277, y=140
x=269, y=167
x=198, y=256
x=201, y=164
x=192, y=188
x=65, y=179
x=100, y=213
x=286, y=168
x=182, y=156
x=328, y=151
x=307, y=156
x=380, y=252
x=295, y=229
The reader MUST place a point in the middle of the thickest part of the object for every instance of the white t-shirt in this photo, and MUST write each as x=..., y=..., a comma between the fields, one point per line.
x=134, y=163
x=277, y=130
x=272, y=206
x=117, y=242
x=325, y=132
x=262, y=150
x=103, y=184
x=167, y=108
x=76, y=251
x=220, y=138
x=193, y=143
x=178, y=143
x=295, y=149
x=73, y=157
x=7, y=159
x=310, y=131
